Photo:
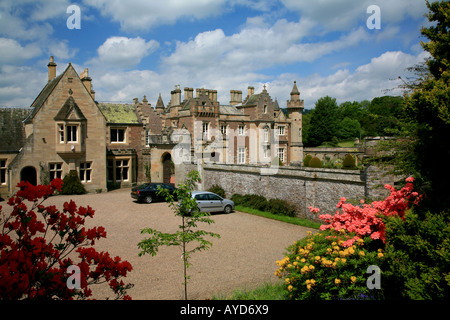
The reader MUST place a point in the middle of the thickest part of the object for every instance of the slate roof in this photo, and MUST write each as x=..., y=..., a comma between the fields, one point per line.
x=230, y=110
x=12, y=130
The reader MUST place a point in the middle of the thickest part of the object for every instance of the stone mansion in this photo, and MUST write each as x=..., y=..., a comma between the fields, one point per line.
x=117, y=145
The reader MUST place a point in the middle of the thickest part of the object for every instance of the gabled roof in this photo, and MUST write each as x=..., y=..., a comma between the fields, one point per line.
x=70, y=111
x=43, y=95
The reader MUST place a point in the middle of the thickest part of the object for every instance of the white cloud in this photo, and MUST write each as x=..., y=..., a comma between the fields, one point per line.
x=143, y=15
x=19, y=86
x=347, y=14
x=12, y=52
x=366, y=82
x=124, y=52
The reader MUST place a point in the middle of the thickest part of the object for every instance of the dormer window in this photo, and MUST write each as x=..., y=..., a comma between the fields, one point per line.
x=68, y=133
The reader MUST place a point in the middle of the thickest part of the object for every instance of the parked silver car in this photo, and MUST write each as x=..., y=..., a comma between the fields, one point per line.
x=211, y=202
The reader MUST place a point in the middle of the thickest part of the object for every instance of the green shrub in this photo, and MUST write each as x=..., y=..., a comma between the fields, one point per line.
x=72, y=184
x=281, y=207
x=306, y=160
x=417, y=262
x=320, y=267
x=315, y=162
x=217, y=190
x=255, y=201
x=237, y=199
x=349, y=162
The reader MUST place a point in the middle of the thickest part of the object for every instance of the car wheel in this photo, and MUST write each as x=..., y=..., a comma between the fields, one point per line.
x=148, y=199
x=227, y=209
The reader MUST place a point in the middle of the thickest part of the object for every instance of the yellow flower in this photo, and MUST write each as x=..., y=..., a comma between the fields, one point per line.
x=290, y=288
x=311, y=267
x=317, y=258
x=353, y=279
x=287, y=280
x=380, y=255
x=362, y=253
x=308, y=286
x=303, y=260
x=337, y=281
x=343, y=260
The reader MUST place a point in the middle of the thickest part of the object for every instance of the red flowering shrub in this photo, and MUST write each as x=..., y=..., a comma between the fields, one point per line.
x=35, y=244
x=367, y=220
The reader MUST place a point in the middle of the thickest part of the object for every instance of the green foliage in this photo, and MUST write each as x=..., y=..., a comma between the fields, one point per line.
x=349, y=129
x=275, y=206
x=217, y=190
x=306, y=160
x=324, y=121
x=72, y=184
x=281, y=207
x=315, y=163
x=349, y=162
x=189, y=234
x=417, y=264
x=426, y=117
x=320, y=267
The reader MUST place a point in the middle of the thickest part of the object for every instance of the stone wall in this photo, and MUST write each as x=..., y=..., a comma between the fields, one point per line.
x=303, y=187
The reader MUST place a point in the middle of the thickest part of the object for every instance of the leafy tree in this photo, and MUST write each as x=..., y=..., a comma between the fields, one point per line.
x=190, y=215
x=349, y=129
x=324, y=121
x=427, y=109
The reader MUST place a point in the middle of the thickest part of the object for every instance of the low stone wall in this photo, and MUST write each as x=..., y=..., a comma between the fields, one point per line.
x=303, y=187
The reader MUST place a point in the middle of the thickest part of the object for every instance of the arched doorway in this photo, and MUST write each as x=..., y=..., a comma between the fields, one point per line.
x=29, y=174
x=168, y=168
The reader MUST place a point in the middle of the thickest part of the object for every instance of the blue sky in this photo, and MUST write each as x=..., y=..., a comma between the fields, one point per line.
x=135, y=48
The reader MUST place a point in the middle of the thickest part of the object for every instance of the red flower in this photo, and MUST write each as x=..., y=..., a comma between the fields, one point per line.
x=33, y=261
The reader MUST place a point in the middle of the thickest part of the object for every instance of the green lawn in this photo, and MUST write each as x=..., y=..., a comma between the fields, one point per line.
x=293, y=220
x=267, y=291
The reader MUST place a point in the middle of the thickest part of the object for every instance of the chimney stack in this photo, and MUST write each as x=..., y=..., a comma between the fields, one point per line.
x=87, y=81
x=175, y=96
x=251, y=91
x=51, y=69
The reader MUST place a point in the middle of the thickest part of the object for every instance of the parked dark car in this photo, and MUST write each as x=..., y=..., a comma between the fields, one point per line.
x=148, y=192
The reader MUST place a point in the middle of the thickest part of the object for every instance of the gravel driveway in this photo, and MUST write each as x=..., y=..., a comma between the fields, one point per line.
x=242, y=258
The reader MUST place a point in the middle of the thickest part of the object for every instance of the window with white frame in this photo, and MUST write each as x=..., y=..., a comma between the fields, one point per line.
x=117, y=135
x=72, y=133
x=85, y=171
x=241, y=155
x=55, y=170
x=61, y=133
x=281, y=130
x=265, y=108
x=3, y=171
x=267, y=152
x=241, y=130
x=205, y=128
x=280, y=154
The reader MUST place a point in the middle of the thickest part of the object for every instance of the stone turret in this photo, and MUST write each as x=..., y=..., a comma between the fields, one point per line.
x=295, y=111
